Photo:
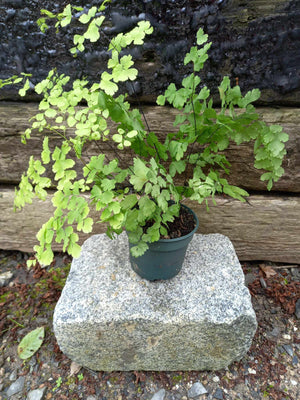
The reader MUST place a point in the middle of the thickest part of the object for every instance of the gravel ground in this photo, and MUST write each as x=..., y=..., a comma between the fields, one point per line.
x=270, y=370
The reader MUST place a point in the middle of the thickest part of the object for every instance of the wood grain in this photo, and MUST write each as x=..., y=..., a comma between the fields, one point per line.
x=14, y=155
x=265, y=228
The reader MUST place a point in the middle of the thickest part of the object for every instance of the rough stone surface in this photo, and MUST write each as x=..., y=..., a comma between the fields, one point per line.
x=16, y=387
x=160, y=395
x=5, y=278
x=108, y=318
x=37, y=394
x=196, y=390
x=288, y=348
x=218, y=394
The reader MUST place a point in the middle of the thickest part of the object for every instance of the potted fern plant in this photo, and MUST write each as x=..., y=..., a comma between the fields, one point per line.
x=143, y=197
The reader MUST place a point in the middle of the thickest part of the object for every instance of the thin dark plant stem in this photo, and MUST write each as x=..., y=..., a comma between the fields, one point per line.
x=138, y=102
x=195, y=129
x=16, y=322
x=117, y=155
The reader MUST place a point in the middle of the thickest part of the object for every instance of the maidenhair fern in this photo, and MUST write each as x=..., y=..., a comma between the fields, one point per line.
x=135, y=194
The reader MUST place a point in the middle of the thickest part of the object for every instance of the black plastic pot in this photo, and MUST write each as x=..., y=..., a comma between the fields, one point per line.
x=164, y=258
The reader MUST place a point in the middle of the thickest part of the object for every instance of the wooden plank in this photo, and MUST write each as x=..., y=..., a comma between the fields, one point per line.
x=14, y=155
x=256, y=41
x=265, y=228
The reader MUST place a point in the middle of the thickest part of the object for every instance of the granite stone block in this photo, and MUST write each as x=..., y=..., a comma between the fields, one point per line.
x=110, y=319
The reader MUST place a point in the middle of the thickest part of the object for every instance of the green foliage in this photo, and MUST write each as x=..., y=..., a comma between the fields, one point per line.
x=58, y=383
x=14, y=80
x=80, y=377
x=140, y=195
x=31, y=343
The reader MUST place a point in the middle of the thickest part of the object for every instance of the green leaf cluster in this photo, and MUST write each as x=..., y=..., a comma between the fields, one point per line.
x=136, y=190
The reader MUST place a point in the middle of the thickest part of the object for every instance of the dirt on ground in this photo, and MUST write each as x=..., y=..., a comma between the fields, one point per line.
x=270, y=369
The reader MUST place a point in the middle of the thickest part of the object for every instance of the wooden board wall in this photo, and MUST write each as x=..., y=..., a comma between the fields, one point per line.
x=14, y=155
x=265, y=228
x=256, y=41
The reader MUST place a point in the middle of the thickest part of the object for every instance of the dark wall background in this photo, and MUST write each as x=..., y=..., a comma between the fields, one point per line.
x=256, y=41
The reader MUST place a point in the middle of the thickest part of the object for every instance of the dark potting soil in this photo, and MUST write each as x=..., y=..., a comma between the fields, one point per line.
x=181, y=226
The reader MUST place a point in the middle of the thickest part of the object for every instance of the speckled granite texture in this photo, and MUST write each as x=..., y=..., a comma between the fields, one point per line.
x=108, y=318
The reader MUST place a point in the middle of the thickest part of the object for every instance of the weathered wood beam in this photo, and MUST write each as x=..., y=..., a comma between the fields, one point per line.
x=256, y=41
x=14, y=155
x=265, y=228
